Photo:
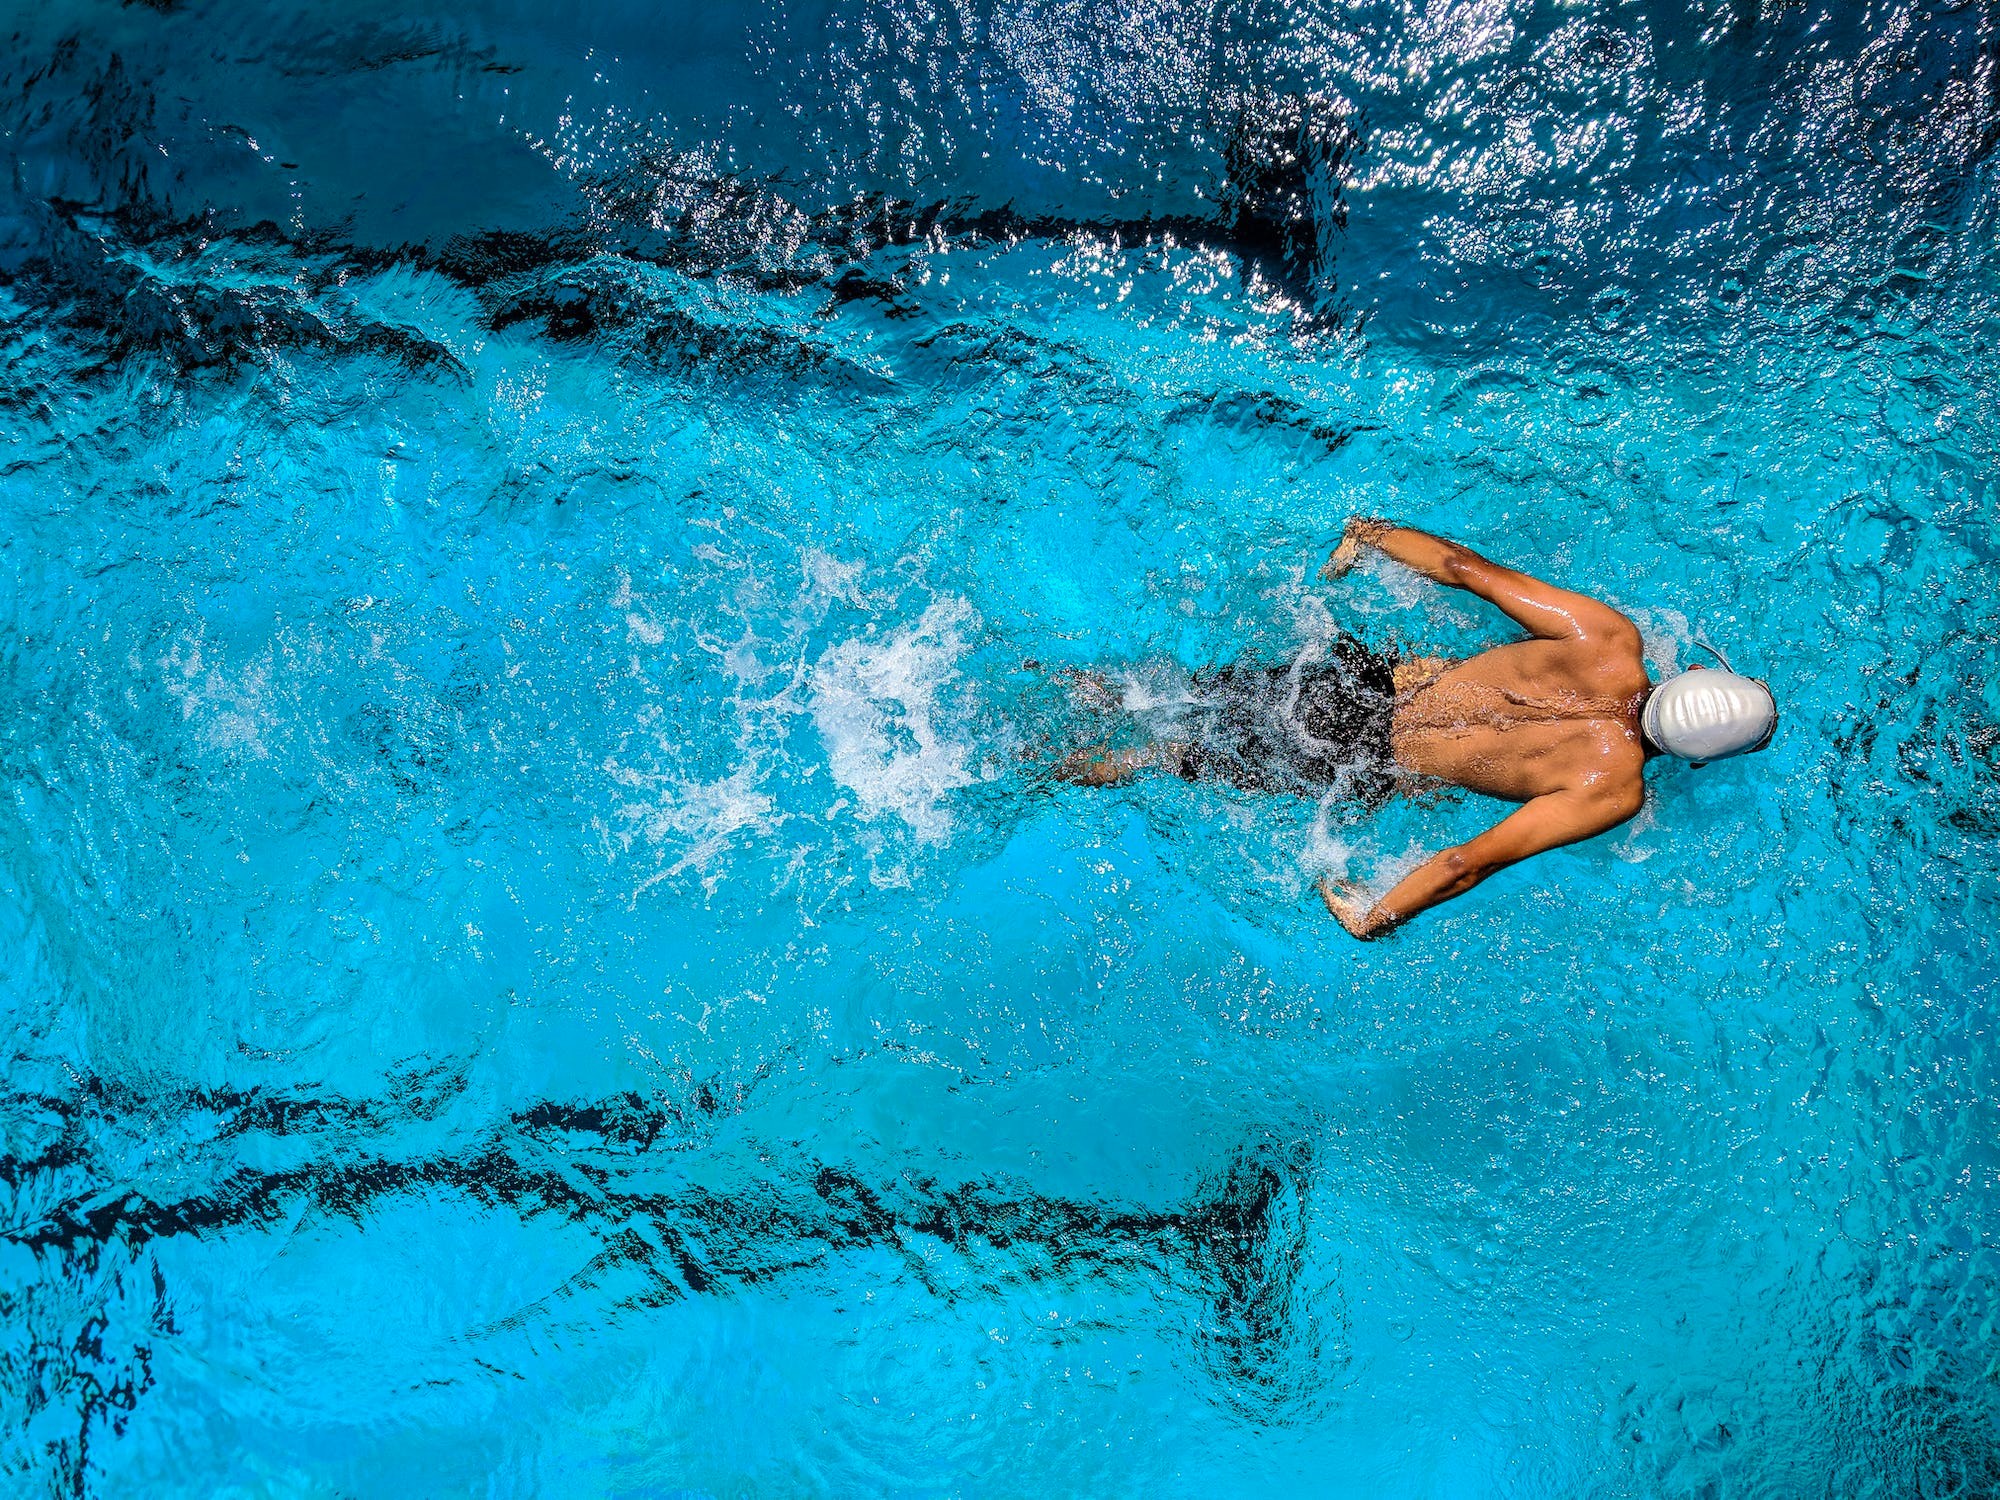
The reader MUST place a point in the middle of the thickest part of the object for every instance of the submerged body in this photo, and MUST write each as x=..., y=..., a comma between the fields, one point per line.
x=1553, y=723
x=1311, y=727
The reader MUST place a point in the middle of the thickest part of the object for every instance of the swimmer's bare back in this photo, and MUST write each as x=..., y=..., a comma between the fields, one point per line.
x=1551, y=722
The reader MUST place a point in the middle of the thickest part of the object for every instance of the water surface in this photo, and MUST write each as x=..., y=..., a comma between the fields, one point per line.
x=539, y=550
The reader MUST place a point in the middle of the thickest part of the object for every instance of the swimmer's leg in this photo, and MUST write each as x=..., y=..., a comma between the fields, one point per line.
x=1092, y=689
x=1103, y=766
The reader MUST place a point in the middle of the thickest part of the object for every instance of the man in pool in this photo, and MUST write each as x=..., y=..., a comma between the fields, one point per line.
x=1562, y=723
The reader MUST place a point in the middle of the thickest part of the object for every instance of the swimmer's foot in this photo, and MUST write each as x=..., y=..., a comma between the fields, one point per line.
x=1362, y=531
x=1100, y=766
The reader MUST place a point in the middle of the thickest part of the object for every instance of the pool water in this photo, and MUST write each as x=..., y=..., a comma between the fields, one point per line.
x=541, y=955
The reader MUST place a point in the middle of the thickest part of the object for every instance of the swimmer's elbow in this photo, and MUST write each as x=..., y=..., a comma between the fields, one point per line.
x=1461, y=566
x=1618, y=805
x=1462, y=870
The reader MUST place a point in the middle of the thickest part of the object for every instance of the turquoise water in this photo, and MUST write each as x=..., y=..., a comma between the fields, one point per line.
x=539, y=955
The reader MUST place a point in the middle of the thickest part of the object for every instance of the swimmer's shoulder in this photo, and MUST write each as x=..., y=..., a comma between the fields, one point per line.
x=1607, y=792
x=1604, y=625
x=1611, y=655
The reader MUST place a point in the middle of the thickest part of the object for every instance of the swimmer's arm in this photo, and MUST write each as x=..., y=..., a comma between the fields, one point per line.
x=1566, y=817
x=1539, y=608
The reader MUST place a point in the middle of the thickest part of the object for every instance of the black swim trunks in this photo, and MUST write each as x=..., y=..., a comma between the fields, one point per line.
x=1307, y=729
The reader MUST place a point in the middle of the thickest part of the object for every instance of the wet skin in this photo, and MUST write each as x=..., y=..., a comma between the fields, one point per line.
x=1551, y=722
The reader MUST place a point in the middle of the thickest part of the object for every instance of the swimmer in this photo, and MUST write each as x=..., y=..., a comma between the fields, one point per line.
x=1562, y=723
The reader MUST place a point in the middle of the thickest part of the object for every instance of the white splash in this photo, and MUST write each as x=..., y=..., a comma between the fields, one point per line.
x=1634, y=847
x=685, y=822
x=697, y=819
x=875, y=704
x=228, y=709
x=826, y=579
x=1408, y=588
x=1153, y=692
x=1326, y=852
x=1390, y=870
x=1662, y=633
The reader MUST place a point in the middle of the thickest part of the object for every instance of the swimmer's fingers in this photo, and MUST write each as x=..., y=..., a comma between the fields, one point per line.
x=1360, y=532
x=1348, y=904
x=1345, y=556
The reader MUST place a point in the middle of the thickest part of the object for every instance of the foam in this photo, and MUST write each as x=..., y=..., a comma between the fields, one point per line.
x=875, y=703
x=227, y=709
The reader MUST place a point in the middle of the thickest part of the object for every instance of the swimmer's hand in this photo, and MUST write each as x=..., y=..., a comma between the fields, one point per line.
x=1349, y=904
x=1362, y=531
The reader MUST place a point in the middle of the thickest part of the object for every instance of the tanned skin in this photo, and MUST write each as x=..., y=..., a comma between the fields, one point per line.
x=1551, y=723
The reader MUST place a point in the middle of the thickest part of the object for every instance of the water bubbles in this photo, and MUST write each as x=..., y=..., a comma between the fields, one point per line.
x=1594, y=388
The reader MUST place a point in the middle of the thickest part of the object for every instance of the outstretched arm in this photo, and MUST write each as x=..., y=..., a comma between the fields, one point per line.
x=1565, y=817
x=1540, y=608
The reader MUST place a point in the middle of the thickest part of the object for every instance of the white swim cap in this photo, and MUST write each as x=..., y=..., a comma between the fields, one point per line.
x=1708, y=715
